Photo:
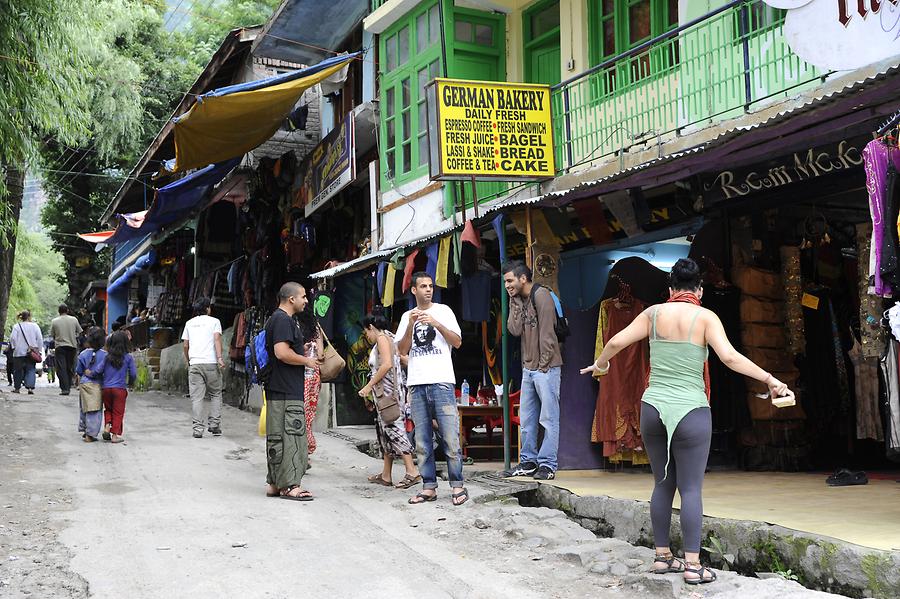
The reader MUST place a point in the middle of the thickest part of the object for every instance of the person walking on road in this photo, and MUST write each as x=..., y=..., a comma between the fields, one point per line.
x=118, y=371
x=286, y=442
x=202, y=339
x=676, y=422
x=384, y=362
x=26, y=341
x=315, y=347
x=532, y=316
x=50, y=360
x=427, y=333
x=65, y=329
x=90, y=422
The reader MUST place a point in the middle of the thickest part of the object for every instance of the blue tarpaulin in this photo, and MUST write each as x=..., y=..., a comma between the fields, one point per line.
x=139, y=265
x=174, y=201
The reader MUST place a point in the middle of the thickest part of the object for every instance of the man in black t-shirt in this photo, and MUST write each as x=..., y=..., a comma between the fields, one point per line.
x=286, y=443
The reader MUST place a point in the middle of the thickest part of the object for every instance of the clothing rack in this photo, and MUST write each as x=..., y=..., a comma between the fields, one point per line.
x=892, y=121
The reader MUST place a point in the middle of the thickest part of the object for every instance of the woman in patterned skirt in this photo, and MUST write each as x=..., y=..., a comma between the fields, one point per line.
x=384, y=362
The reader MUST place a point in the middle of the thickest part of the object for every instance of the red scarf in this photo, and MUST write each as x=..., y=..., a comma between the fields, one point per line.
x=688, y=297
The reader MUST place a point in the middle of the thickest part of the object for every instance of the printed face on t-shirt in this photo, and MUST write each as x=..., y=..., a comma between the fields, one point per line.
x=423, y=341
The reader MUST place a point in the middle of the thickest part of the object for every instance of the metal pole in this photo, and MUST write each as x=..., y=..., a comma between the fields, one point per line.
x=744, y=31
x=504, y=353
x=474, y=196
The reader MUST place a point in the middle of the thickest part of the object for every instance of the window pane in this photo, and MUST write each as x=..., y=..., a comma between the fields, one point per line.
x=389, y=159
x=423, y=149
x=391, y=137
x=389, y=101
x=638, y=22
x=547, y=20
x=423, y=79
x=406, y=126
x=673, y=13
x=609, y=37
x=404, y=45
x=405, y=103
x=422, y=32
x=463, y=31
x=484, y=35
x=434, y=20
x=423, y=116
x=391, y=50
x=407, y=157
x=433, y=70
x=609, y=6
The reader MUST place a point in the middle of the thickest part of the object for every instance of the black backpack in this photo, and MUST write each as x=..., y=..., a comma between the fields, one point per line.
x=561, y=326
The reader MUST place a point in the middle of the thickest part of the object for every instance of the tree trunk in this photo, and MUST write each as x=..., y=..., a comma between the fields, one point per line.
x=15, y=187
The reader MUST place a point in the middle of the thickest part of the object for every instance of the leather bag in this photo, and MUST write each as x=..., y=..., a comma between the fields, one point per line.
x=333, y=363
x=387, y=405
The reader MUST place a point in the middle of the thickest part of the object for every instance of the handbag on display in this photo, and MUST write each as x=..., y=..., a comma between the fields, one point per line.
x=332, y=363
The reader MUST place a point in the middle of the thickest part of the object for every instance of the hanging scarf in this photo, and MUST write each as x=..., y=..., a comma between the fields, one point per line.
x=689, y=298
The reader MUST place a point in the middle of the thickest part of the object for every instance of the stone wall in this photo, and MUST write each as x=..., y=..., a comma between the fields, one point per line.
x=818, y=562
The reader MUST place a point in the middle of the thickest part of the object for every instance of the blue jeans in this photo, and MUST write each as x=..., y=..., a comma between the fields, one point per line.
x=436, y=402
x=25, y=371
x=540, y=405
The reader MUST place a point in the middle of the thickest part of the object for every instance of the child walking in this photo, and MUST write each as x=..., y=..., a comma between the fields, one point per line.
x=118, y=371
x=89, y=419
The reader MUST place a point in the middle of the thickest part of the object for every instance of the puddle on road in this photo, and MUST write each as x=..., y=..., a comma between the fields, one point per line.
x=113, y=488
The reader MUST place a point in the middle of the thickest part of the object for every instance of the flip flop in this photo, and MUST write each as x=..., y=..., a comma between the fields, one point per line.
x=847, y=478
x=423, y=498
x=464, y=495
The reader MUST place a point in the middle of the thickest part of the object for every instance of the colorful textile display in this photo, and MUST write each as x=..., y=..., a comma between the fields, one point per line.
x=793, y=292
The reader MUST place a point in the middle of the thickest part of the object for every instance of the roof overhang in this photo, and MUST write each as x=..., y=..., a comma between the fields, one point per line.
x=307, y=31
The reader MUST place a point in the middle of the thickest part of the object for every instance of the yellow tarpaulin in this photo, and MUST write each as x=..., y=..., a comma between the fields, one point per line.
x=231, y=122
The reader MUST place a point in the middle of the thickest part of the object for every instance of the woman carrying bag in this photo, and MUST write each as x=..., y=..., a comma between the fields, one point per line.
x=384, y=394
x=90, y=405
x=26, y=341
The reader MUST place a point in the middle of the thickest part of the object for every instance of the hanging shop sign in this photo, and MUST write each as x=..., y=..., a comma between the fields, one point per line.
x=332, y=165
x=804, y=165
x=841, y=34
x=490, y=131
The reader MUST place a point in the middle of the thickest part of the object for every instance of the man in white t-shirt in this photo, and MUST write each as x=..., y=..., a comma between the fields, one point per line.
x=202, y=338
x=427, y=334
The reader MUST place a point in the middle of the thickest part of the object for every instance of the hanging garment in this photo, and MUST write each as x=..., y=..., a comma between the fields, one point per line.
x=892, y=404
x=431, y=253
x=729, y=412
x=868, y=415
x=387, y=300
x=876, y=156
x=476, y=296
x=379, y=278
x=470, y=242
x=409, y=269
x=618, y=409
x=443, y=261
x=870, y=310
x=890, y=244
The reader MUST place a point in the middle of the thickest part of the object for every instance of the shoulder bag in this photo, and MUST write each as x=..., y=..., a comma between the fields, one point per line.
x=333, y=363
x=90, y=393
x=33, y=353
x=388, y=406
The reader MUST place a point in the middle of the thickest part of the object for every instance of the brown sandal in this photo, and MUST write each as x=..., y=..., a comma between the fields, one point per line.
x=409, y=481
x=378, y=480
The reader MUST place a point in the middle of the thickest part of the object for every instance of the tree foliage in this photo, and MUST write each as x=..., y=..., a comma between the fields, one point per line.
x=35, y=284
x=213, y=20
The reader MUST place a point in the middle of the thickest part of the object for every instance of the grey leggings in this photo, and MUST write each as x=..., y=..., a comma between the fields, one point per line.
x=690, y=451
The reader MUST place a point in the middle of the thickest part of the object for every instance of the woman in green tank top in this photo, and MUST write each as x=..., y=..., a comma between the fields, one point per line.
x=676, y=425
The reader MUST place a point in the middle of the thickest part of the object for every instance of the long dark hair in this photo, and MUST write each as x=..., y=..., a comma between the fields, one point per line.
x=116, y=348
x=308, y=325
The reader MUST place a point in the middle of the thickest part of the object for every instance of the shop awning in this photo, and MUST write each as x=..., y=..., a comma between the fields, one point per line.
x=139, y=265
x=231, y=121
x=353, y=265
x=171, y=203
x=283, y=39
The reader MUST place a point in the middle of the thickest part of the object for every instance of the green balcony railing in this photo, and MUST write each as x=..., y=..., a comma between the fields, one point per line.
x=377, y=3
x=712, y=68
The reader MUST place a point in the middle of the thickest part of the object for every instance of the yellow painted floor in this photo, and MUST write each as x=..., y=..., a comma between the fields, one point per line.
x=867, y=515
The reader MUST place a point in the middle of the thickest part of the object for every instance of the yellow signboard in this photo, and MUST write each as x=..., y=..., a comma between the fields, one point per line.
x=488, y=130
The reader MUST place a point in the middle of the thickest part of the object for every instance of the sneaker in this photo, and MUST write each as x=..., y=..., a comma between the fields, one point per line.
x=521, y=469
x=198, y=435
x=544, y=473
x=215, y=431
x=31, y=392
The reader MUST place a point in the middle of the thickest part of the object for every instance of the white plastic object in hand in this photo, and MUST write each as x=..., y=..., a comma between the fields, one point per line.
x=785, y=401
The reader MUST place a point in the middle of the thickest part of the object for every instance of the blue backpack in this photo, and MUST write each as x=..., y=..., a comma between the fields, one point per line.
x=256, y=357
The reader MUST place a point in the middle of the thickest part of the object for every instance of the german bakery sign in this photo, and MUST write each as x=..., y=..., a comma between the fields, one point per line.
x=841, y=34
x=487, y=130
